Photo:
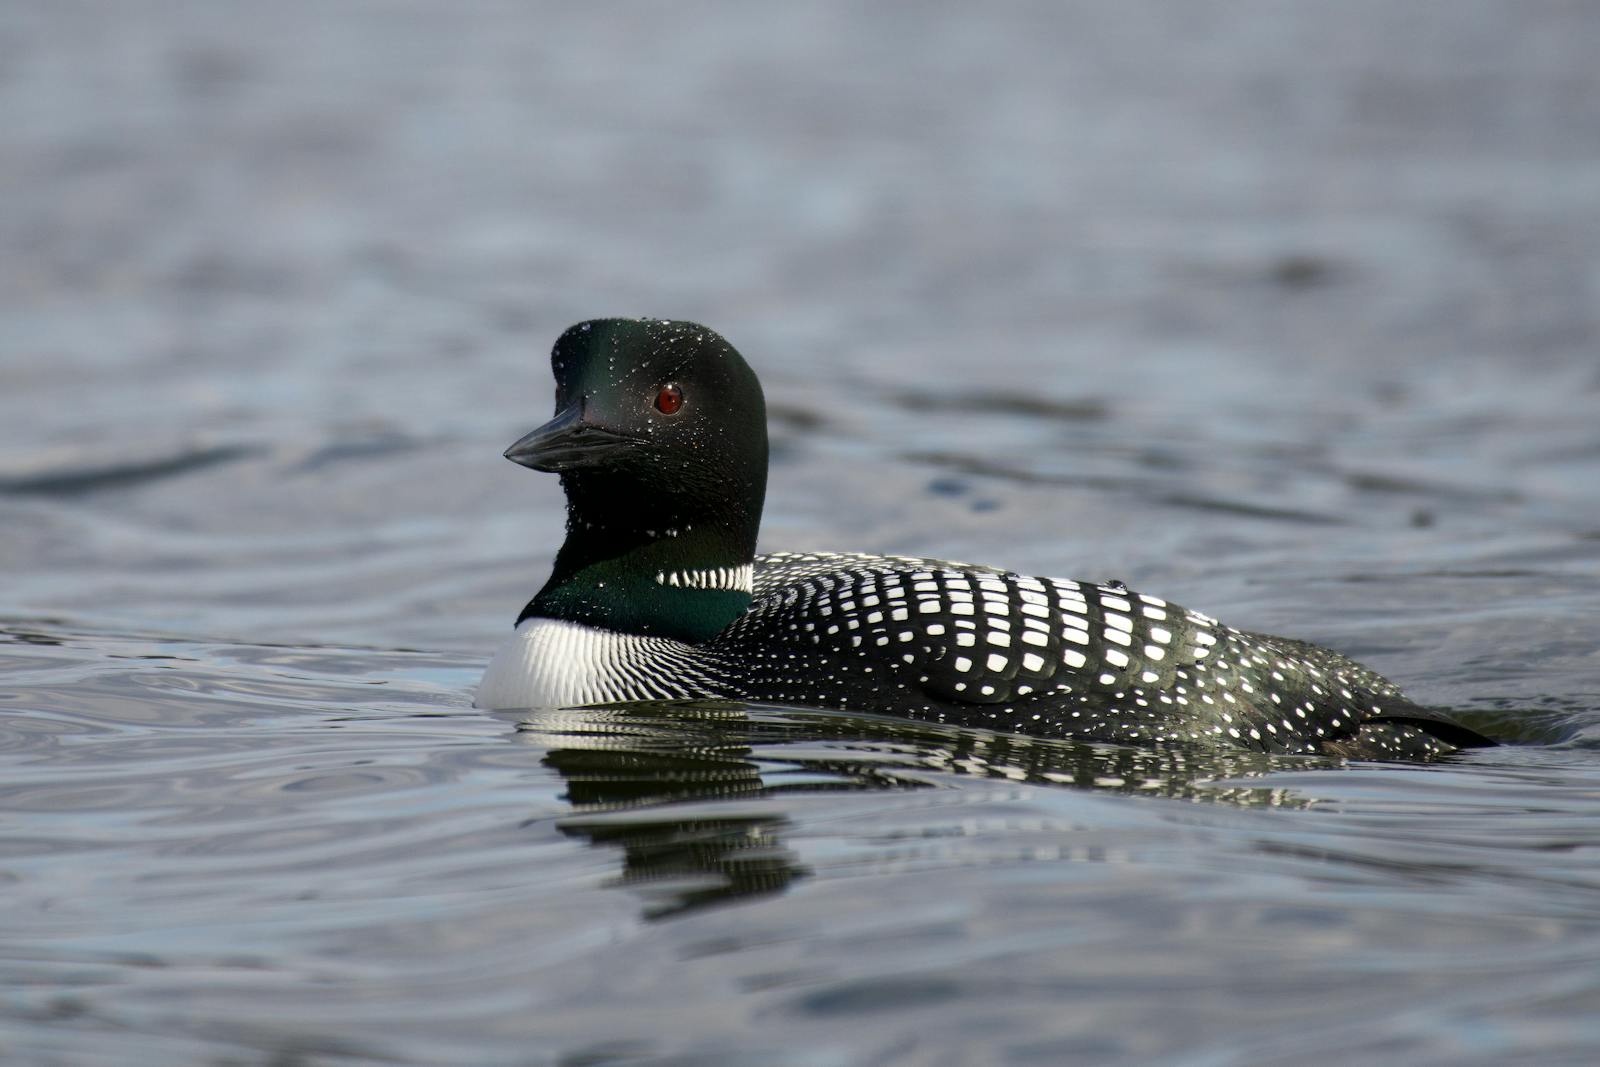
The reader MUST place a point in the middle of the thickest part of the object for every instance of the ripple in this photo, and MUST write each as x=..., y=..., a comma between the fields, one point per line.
x=83, y=797
x=371, y=846
x=76, y=476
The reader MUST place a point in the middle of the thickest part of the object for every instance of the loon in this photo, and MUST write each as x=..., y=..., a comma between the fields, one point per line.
x=657, y=593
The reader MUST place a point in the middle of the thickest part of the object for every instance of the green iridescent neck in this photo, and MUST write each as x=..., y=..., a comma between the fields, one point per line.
x=685, y=580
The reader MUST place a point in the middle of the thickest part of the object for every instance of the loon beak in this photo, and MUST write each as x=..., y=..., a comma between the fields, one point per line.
x=567, y=442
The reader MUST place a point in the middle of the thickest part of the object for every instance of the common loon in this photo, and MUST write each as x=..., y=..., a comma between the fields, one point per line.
x=660, y=439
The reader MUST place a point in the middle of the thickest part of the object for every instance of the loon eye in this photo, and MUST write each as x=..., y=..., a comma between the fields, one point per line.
x=669, y=400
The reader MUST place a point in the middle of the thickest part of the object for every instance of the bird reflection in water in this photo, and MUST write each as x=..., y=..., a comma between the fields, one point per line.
x=683, y=789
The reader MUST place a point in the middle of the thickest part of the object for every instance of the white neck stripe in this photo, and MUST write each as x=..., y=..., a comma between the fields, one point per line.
x=739, y=579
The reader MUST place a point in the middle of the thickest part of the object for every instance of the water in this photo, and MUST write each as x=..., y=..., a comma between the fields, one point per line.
x=1288, y=314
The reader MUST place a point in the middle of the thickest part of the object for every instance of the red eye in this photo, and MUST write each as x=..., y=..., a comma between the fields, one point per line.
x=669, y=400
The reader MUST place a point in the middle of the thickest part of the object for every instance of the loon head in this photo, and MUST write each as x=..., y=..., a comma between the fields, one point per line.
x=660, y=438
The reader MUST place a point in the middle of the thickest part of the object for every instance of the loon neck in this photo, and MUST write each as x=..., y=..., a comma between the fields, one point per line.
x=685, y=575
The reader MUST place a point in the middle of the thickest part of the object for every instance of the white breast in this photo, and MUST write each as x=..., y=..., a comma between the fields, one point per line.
x=552, y=663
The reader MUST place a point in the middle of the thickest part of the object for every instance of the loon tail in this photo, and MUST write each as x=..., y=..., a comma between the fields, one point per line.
x=1435, y=723
x=1407, y=732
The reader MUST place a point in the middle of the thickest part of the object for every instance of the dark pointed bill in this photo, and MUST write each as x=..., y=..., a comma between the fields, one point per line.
x=567, y=442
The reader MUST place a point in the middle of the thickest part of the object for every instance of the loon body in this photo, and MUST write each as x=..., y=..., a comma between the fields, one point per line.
x=657, y=593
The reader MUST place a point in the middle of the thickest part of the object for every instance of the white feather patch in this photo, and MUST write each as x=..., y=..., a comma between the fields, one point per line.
x=739, y=578
x=552, y=663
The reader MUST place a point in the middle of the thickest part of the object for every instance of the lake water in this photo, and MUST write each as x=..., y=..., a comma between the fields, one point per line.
x=1290, y=313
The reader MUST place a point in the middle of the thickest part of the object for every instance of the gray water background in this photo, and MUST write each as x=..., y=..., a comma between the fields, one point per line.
x=1288, y=312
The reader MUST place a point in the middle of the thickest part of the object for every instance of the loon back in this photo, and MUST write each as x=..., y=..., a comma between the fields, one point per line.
x=975, y=646
x=660, y=440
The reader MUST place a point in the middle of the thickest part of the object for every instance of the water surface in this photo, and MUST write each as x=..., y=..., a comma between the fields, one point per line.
x=1289, y=315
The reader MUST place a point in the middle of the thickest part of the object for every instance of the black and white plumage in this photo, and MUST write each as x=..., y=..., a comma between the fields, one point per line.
x=673, y=603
